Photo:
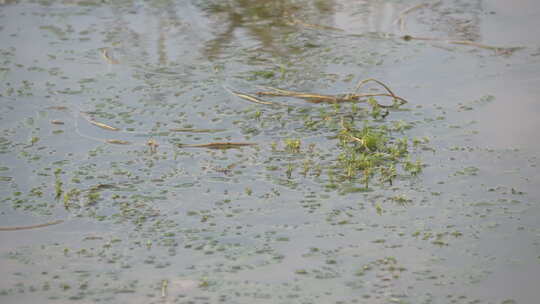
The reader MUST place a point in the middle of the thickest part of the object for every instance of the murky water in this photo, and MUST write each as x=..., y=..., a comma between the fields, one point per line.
x=98, y=97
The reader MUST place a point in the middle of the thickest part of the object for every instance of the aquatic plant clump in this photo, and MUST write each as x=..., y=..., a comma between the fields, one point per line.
x=372, y=151
x=364, y=153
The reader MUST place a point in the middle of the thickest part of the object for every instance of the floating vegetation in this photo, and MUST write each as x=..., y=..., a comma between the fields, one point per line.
x=368, y=150
x=331, y=179
x=292, y=145
x=58, y=183
x=372, y=151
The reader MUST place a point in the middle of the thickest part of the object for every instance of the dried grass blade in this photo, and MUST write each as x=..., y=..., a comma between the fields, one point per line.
x=310, y=97
x=253, y=99
x=503, y=50
x=102, y=125
x=497, y=49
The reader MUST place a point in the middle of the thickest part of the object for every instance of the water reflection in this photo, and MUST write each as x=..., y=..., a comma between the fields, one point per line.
x=179, y=32
x=374, y=16
x=267, y=22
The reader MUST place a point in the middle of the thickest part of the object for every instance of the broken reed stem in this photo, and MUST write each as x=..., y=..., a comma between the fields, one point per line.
x=318, y=98
x=361, y=83
x=497, y=49
x=310, y=97
x=99, y=124
x=254, y=99
x=15, y=228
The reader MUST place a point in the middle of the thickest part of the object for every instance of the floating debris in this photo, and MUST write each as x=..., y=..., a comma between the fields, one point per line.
x=153, y=145
x=190, y=130
x=57, y=122
x=15, y=228
x=118, y=142
x=59, y=108
x=253, y=99
x=350, y=97
x=498, y=49
x=102, y=125
x=164, y=285
x=217, y=145
x=106, y=53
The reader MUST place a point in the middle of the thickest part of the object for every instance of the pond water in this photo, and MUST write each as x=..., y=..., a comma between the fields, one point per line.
x=108, y=107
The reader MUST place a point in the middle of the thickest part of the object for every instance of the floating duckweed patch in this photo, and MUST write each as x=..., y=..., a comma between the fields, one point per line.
x=221, y=152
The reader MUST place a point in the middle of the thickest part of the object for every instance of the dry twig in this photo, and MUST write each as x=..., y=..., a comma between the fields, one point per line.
x=217, y=145
x=15, y=228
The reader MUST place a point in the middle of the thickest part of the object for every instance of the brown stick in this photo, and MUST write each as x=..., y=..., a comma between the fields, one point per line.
x=217, y=145
x=191, y=130
x=253, y=99
x=118, y=142
x=15, y=228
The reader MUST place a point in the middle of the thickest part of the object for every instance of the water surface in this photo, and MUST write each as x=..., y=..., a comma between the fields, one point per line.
x=265, y=223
